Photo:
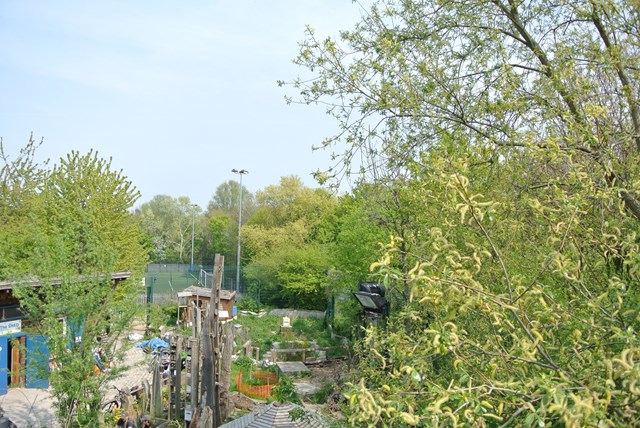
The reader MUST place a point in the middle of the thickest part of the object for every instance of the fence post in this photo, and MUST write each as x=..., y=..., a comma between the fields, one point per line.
x=149, y=300
x=211, y=348
x=225, y=369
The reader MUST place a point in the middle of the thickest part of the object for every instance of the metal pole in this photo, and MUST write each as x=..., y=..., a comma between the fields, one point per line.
x=239, y=229
x=193, y=230
x=240, y=173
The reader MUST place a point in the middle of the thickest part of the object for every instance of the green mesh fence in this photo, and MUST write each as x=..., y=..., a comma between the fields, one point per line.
x=172, y=278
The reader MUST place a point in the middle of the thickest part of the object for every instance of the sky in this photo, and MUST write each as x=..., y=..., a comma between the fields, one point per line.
x=176, y=93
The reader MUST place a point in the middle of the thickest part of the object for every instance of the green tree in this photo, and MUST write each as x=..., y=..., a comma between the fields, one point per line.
x=20, y=182
x=225, y=203
x=419, y=72
x=516, y=126
x=221, y=234
x=291, y=277
x=168, y=222
x=227, y=197
x=289, y=201
x=288, y=240
x=81, y=231
x=357, y=243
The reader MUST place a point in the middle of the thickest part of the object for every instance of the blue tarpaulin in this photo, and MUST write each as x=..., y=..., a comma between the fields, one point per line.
x=154, y=344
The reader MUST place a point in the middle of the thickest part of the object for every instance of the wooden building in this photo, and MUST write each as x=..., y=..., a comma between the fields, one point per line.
x=200, y=297
x=20, y=347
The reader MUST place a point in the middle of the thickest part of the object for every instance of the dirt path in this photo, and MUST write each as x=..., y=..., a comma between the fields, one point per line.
x=31, y=407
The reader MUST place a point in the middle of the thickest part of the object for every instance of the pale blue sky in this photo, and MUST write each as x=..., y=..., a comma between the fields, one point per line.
x=176, y=92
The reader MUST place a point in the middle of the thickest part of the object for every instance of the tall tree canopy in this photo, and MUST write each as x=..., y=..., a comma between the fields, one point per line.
x=289, y=201
x=77, y=232
x=497, y=74
x=516, y=126
x=169, y=223
x=223, y=211
x=21, y=180
x=227, y=199
x=288, y=240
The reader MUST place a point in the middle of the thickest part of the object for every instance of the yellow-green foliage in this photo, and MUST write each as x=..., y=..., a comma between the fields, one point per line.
x=507, y=136
x=507, y=323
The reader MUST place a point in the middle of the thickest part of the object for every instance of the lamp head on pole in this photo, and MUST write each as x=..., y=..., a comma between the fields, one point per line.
x=370, y=295
x=242, y=171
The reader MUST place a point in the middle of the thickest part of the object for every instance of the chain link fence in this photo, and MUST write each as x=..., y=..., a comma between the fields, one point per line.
x=164, y=281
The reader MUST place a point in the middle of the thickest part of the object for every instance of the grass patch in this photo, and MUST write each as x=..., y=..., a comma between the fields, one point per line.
x=242, y=364
x=312, y=329
x=264, y=331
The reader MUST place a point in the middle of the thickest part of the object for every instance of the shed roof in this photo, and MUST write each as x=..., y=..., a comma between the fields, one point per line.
x=8, y=285
x=194, y=290
x=276, y=415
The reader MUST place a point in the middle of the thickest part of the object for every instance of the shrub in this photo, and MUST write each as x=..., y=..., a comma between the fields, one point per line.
x=320, y=396
x=285, y=391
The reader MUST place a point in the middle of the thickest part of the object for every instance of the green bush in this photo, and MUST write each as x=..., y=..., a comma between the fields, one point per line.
x=312, y=329
x=171, y=313
x=157, y=317
x=249, y=303
x=244, y=362
x=321, y=395
x=347, y=318
x=285, y=392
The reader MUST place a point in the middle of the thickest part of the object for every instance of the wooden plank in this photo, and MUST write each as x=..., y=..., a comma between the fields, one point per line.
x=217, y=286
x=226, y=370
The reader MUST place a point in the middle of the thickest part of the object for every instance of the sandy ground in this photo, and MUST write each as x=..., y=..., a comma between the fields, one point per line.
x=33, y=408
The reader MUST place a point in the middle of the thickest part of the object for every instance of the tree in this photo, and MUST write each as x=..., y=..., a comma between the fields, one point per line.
x=422, y=71
x=288, y=240
x=168, y=223
x=288, y=202
x=357, y=243
x=227, y=197
x=81, y=231
x=221, y=235
x=270, y=249
x=20, y=182
x=291, y=277
x=517, y=124
x=225, y=202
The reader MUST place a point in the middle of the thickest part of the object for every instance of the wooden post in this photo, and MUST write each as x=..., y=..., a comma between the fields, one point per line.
x=195, y=370
x=177, y=377
x=215, y=301
x=197, y=322
x=156, y=393
x=210, y=348
x=195, y=361
x=225, y=370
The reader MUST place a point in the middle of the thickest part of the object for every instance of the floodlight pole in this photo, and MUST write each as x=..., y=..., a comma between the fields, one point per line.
x=240, y=173
x=193, y=230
